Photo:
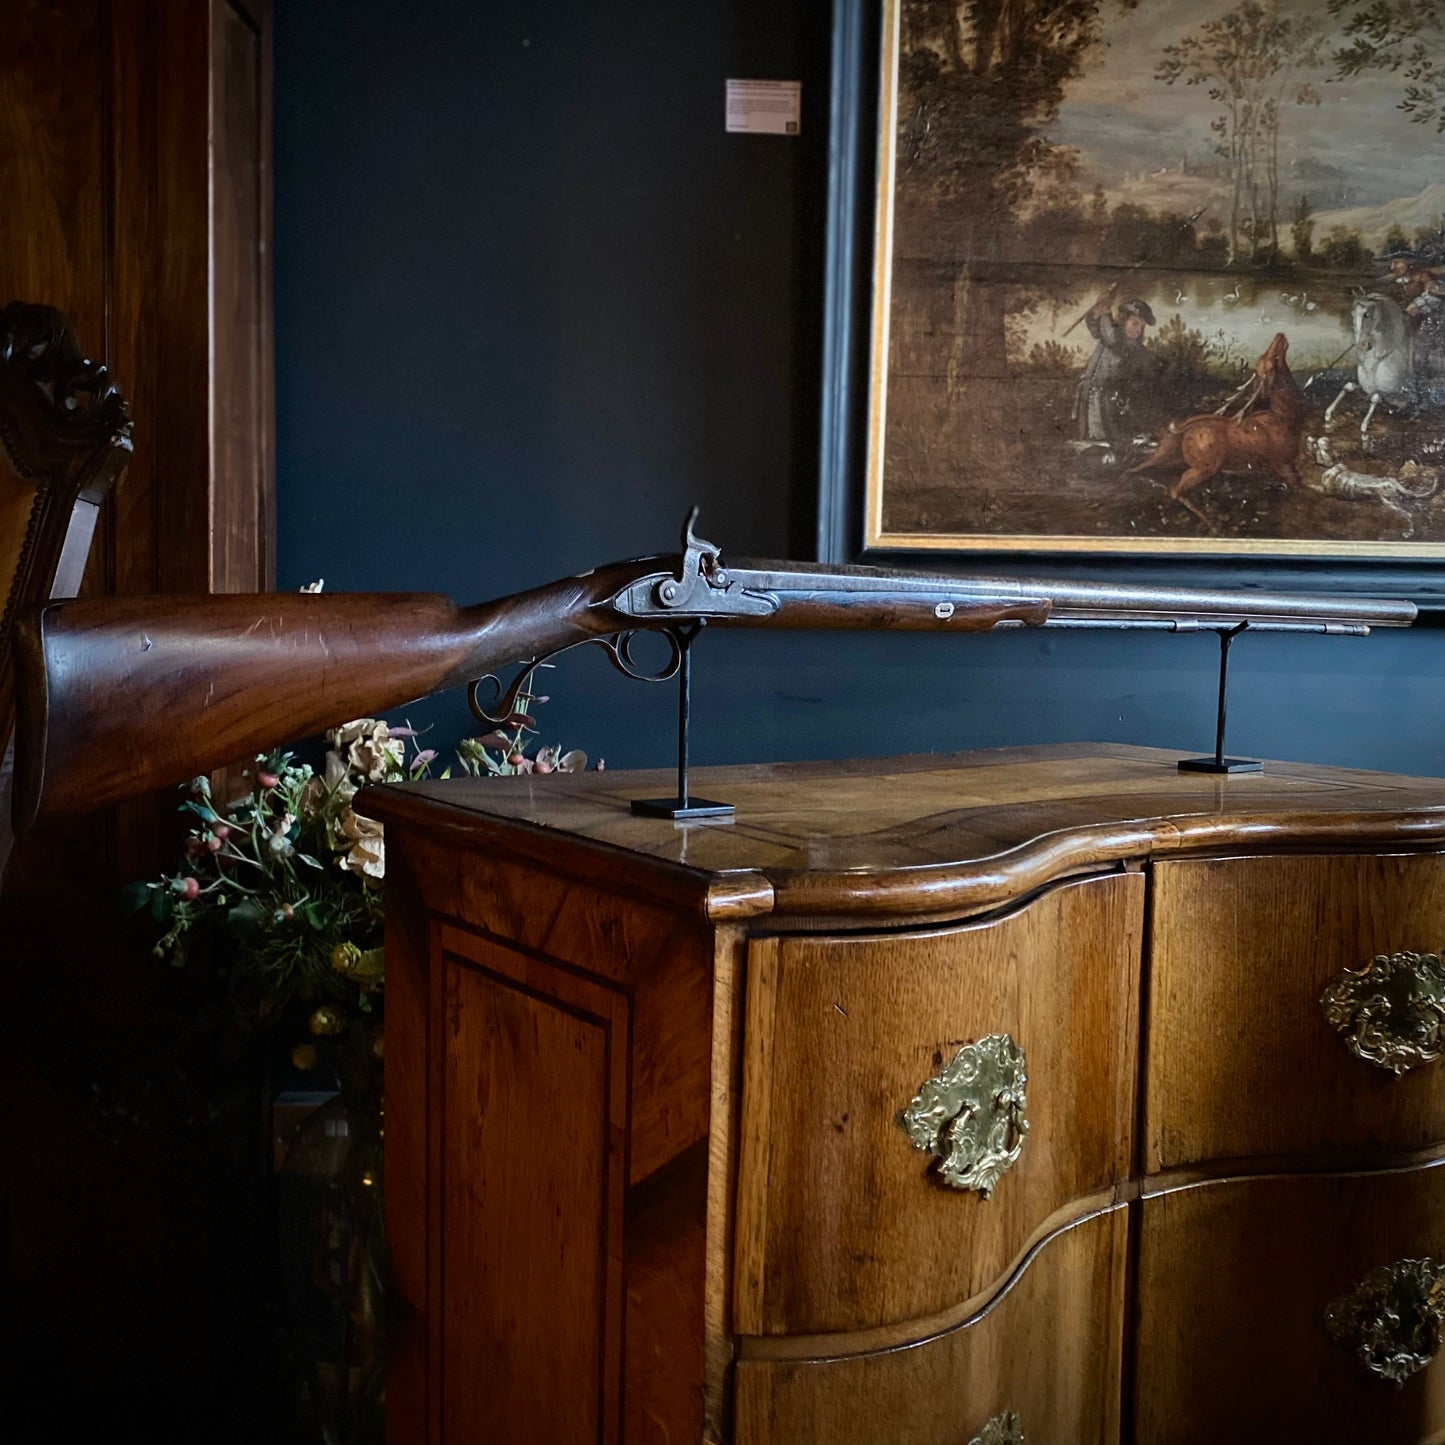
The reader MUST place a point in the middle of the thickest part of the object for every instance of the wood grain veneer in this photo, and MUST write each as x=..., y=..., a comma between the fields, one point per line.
x=1234, y=1280
x=842, y=1222
x=532, y=1173
x=1241, y=950
x=729, y=1233
x=936, y=836
x=1049, y=1349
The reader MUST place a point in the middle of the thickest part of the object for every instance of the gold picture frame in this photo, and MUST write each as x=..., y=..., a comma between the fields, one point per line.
x=980, y=430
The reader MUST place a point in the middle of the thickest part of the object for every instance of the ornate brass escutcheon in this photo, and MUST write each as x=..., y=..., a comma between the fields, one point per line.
x=971, y=1116
x=1391, y=1320
x=1005, y=1429
x=1392, y=1011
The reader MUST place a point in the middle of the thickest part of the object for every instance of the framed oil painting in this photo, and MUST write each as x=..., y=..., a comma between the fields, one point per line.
x=1160, y=279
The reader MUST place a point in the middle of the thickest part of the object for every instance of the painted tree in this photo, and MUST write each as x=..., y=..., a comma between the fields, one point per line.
x=1302, y=228
x=1406, y=39
x=980, y=82
x=1250, y=61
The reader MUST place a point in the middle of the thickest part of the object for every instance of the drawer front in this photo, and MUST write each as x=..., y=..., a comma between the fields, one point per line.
x=1235, y=1280
x=1242, y=1059
x=843, y=1223
x=1048, y=1352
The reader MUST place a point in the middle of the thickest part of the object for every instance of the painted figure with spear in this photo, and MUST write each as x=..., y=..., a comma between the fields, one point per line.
x=1120, y=367
x=1121, y=364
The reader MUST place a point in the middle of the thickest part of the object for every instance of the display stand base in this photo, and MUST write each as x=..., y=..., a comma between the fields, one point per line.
x=679, y=810
x=1219, y=765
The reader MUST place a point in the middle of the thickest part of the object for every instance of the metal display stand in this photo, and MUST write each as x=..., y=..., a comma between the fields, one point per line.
x=1219, y=763
x=684, y=806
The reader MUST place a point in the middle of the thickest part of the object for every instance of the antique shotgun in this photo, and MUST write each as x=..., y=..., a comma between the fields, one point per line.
x=120, y=695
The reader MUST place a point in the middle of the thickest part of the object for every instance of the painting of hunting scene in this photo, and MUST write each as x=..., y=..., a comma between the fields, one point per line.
x=1162, y=275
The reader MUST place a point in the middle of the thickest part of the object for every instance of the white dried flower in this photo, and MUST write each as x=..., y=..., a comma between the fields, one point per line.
x=367, y=854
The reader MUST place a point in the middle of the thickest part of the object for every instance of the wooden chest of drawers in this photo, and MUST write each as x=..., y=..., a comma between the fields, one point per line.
x=931, y=1100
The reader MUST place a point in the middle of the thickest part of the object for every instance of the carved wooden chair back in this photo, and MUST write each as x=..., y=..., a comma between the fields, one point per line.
x=64, y=439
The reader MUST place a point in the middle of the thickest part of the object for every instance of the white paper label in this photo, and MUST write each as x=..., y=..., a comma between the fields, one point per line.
x=765, y=107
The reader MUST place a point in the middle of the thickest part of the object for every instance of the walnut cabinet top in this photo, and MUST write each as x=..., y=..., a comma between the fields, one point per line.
x=932, y=836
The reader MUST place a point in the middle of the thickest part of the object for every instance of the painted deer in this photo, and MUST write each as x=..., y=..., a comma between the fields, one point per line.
x=1266, y=440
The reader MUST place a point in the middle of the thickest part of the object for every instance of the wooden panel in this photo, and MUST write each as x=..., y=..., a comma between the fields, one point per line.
x=1050, y=1350
x=660, y=965
x=54, y=140
x=1241, y=1059
x=107, y=190
x=1234, y=1280
x=131, y=563
x=241, y=513
x=181, y=518
x=729, y=973
x=842, y=1224
x=666, y=1278
x=532, y=1150
x=662, y=956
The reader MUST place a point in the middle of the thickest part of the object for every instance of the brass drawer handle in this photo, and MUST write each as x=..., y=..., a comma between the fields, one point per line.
x=971, y=1116
x=1391, y=1320
x=1005, y=1429
x=1392, y=1011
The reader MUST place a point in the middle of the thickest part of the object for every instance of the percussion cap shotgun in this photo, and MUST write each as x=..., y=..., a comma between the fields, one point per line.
x=117, y=696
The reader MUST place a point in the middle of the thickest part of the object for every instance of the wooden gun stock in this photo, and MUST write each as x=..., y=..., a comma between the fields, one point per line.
x=117, y=696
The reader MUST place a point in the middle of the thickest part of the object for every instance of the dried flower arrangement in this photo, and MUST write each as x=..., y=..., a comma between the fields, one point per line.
x=285, y=883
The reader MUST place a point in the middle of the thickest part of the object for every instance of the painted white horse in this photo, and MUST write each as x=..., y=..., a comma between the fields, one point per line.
x=1385, y=348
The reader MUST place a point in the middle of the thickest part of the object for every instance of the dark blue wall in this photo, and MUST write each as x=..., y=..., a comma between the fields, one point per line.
x=532, y=302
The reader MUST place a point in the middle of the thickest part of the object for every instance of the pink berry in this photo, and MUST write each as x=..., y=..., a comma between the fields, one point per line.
x=267, y=780
x=222, y=830
x=190, y=890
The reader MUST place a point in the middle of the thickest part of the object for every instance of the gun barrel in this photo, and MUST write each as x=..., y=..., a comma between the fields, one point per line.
x=1069, y=604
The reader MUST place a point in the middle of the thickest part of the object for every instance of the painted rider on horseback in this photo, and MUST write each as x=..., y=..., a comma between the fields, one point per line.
x=1416, y=288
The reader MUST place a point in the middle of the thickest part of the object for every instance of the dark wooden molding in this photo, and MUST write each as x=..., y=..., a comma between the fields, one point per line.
x=65, y=432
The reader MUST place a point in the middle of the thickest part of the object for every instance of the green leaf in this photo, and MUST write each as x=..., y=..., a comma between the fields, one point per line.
x=308, y=859
x=245, y=914
x=135, y=896
x=162, y=905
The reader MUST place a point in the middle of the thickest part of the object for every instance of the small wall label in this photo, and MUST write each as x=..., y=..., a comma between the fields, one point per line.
x=765, y=107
